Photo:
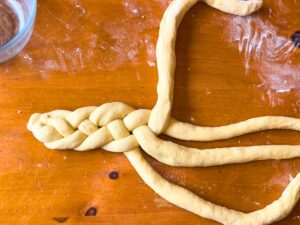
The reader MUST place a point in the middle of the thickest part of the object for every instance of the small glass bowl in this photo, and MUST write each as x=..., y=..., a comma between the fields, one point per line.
x=26, y=10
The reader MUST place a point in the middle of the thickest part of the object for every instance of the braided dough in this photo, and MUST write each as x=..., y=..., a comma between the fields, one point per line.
x=117, y=127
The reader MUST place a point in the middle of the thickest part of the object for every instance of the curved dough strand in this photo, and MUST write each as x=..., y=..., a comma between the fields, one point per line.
x=236, y=7
x=165, y=51
x=187, y=200
x=176, y=155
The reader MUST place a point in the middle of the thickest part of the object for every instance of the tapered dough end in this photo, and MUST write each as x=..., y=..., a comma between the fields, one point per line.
x=160, y=117
x=34, y=118
x=236, y=7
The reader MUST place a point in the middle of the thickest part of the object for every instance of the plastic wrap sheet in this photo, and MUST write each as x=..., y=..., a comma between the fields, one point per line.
x=270, y=47
x=88, y=32
x=106, y=43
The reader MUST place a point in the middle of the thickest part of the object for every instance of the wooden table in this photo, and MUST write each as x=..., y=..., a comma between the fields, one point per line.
x=88, y=52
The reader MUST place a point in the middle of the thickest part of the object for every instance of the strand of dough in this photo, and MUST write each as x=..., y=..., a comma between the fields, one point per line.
x=187, y=200
x=190, y=132
x=176, y=155
x=165, y=51
x=66, y=129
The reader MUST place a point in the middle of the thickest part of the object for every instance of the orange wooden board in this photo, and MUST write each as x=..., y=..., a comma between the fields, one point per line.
x=88, y=52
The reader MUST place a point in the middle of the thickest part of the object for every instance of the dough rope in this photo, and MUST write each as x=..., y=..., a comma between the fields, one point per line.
x=185, y=199
x=117, y=127
x=165, y=51
x=190, y=132
x=176, y=155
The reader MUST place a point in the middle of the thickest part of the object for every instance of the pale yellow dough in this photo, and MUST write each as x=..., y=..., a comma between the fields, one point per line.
x=114, y=135
x=117, y=127
x=185, y=199
x=165, y=51
x=190, y=132
x=176, y=155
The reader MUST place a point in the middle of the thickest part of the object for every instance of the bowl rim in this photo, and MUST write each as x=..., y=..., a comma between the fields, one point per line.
x=28, y=24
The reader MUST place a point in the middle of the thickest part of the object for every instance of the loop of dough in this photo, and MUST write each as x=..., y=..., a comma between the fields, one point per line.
x=187, y=200
x=165, y=51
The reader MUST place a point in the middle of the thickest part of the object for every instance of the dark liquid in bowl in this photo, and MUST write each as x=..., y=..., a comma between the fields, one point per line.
x=9, y=23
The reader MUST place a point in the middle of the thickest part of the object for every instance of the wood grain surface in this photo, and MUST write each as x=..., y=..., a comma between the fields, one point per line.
x=88, y=52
